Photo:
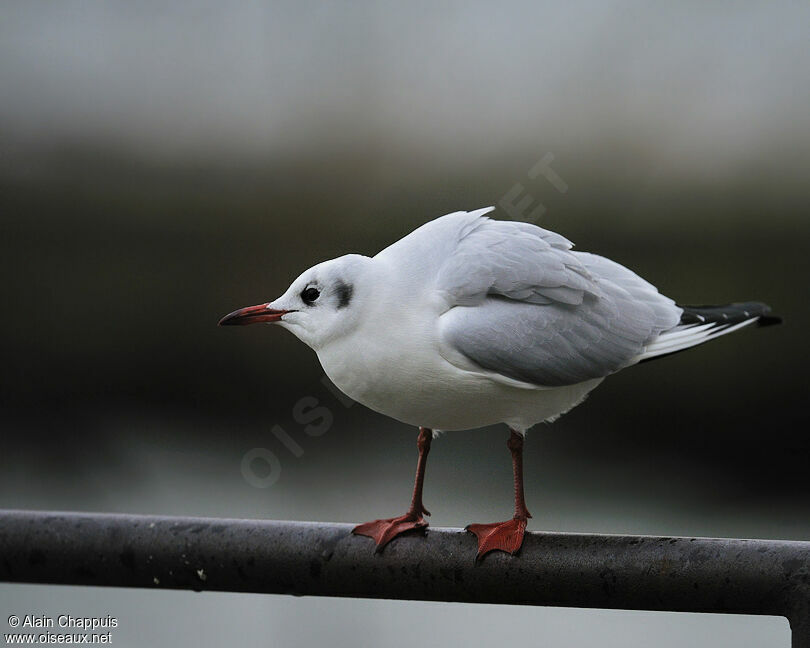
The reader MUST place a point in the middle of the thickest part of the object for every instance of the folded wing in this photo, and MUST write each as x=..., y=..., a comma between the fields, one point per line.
x=524, y=306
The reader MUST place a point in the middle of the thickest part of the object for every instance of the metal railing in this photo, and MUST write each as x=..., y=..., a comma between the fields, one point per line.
x=574, y=570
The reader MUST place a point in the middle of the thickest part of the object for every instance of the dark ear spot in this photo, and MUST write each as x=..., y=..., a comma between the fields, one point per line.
x=344, y=294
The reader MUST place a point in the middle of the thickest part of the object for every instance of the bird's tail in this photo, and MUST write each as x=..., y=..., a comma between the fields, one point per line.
x=700, y=324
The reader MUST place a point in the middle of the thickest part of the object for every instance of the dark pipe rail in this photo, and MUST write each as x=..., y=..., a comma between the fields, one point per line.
x=575, y=570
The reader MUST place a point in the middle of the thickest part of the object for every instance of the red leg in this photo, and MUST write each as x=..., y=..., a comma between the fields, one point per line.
x=383, y=531
x=506, y=536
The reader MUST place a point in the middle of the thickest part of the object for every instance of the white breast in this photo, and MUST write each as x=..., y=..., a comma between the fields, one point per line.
x=406, y=378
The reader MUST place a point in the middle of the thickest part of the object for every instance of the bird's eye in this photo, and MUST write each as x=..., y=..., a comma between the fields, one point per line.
x=309, y=295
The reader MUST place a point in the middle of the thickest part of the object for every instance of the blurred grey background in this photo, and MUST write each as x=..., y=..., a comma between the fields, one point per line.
x=162, y=165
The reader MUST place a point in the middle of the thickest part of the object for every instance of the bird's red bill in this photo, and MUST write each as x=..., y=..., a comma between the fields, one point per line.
x=252, y=315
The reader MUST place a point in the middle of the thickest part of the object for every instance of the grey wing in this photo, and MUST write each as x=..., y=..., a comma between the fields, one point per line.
x=519, y=261
x=548, y=316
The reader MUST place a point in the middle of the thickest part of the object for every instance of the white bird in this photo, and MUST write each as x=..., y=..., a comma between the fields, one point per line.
x=468, y=322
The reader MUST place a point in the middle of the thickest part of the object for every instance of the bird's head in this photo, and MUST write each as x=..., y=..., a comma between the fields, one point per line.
x=322, y=304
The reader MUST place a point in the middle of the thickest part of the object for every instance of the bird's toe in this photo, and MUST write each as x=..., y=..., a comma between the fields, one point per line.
x=499, y=536
x=385, y=530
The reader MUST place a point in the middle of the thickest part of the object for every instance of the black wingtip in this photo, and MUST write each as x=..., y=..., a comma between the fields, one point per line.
x=730, y=314
x=768, y=320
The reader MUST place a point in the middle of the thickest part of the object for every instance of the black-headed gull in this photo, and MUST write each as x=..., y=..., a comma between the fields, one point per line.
x=469, y=321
